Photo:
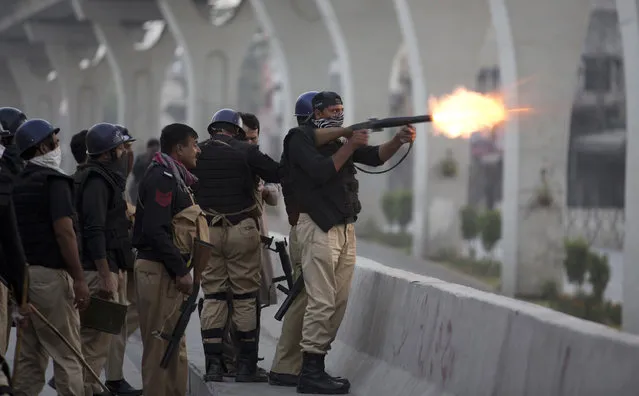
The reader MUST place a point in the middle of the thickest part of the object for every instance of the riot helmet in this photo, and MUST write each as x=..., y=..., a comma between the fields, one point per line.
x=10, y=120
x=33, y=132
x=103, y=137
x=304, y=104
x=225, y=118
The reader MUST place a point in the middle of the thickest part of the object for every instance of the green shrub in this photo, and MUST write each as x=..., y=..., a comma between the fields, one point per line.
x=469, y=222
x=598, y=275
x=404, y=208
x=576, y=260
x=490, y=229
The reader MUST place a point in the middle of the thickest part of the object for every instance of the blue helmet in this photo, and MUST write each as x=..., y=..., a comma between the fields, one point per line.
x=303, y=105
x=226, y=116
x=33, y=132
x=103, y=137
x=10, y=120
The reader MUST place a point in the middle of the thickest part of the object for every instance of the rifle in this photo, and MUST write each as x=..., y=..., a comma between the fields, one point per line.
x=280, y=249
x=199, y=258
x=377, y=125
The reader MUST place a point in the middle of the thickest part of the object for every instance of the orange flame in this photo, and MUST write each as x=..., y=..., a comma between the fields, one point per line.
x=464, y=112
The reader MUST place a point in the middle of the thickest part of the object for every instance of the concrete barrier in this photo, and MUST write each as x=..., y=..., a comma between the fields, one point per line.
x=410, y=335
x=407, y=335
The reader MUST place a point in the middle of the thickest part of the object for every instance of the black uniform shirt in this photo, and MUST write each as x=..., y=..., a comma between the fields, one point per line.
x=60, y=201
x=160, y=199
x=320, y=168
x=95, y=202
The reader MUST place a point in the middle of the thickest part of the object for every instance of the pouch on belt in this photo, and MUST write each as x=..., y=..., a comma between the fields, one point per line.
x=104, y=315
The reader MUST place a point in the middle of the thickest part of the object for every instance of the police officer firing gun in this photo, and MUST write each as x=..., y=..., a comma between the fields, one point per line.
x=326, y=196
x=227, y=171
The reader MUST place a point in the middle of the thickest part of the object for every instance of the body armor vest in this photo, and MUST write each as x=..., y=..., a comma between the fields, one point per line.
x=226, y=183
x=31, y=202
x=117, y=226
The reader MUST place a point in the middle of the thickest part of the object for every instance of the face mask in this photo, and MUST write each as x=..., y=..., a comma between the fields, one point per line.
x=52, y=159
x=335, y=121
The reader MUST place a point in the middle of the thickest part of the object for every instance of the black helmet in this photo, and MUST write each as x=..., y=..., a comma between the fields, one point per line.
x=226, y=117
x=33, y=132
x=10, y=120
x=103, y=137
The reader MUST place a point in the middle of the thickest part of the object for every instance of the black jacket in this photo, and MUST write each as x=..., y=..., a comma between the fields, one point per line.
x=11, y=252
x=160, y=198
x=328, y=196
x=102, y=216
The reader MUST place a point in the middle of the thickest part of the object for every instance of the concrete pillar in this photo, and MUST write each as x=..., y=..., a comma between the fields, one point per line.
x=139, y=75
x=628, y=22
x=441, y=57
x=370, y=37
x=212, y=56
x=302, y=44
x=83, y=91
x=9, y=94
x=540, y=41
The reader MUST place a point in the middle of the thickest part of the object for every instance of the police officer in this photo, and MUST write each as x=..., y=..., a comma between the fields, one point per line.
x=10, y=119
x=326, y=192
x=106, y=244
x=113, y=369
x=227, y=171
x=43, y=199
x=13, y=268
x=161, y=271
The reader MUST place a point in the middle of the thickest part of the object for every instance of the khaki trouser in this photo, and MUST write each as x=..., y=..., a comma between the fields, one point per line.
x=235, y=266
x=328, y=261
x=51, y=292
x=5, y=321
x=159, y=304
x=288, y=355
x=115, y=361
x=4, y=377
x=95, y=343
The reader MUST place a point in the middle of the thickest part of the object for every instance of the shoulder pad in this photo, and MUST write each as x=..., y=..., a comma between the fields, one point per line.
x=168, y=174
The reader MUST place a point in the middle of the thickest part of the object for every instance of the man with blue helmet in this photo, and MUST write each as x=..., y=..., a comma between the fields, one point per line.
x=43, y=198
x=326, y=205
x=106, y=242
x=228, y=170
x=10, y=120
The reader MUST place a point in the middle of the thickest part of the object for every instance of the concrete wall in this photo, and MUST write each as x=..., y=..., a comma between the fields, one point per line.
x=405, y=334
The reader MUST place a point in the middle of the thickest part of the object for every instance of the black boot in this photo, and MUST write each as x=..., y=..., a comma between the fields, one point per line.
x=247, y=370
x=122, y=388
x=281, y=379
x=314, y=380
x=214, y=368
x=336, y=379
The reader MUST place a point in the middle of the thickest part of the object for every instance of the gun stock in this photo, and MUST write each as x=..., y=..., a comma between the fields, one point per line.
x=199, y=257
x=293, y=293
x=285, y=260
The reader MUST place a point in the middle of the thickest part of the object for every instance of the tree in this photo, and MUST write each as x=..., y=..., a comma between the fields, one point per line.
x=598, y=275
x=389, y=207
x=576, y=260
x=490, y=229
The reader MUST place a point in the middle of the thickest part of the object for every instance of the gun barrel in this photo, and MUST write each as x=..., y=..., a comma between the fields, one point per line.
x=285, y=260
x=391, y=122
x=187, y=308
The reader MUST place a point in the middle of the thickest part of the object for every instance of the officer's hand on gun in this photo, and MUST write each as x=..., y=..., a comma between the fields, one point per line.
x=406, y=134
x=184, y=283
x=359, y=138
